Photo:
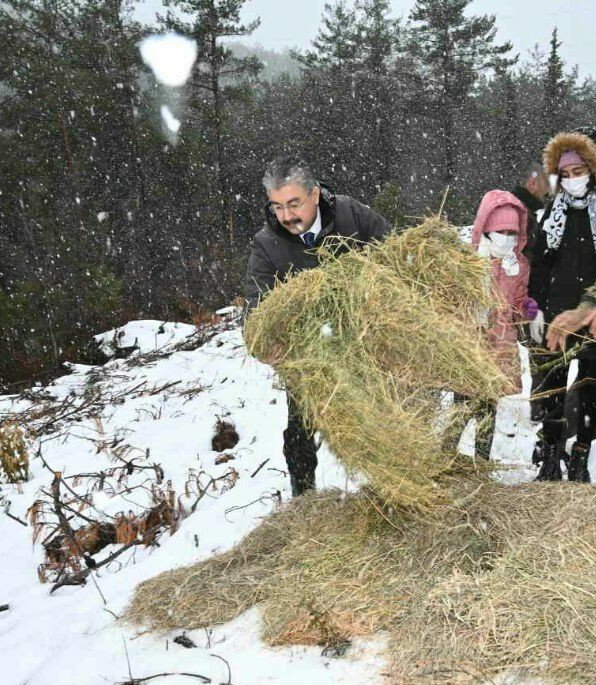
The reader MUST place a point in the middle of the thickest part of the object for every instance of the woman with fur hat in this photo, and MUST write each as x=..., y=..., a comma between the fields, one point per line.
x=563, y=267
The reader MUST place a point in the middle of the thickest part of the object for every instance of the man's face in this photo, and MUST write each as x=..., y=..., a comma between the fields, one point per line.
x=538, y=186
x=294, y=207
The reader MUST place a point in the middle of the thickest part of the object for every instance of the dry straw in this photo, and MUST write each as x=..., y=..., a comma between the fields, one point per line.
x=504, y=579
x=14, y=455
x=368, y=342
x=486, y=577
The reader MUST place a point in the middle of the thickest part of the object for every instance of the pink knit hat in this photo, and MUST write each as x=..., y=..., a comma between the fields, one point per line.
x=500, y=210
x=569, y=157
x=503, y=218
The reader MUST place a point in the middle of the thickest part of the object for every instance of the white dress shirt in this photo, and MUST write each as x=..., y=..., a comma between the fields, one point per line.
x=315, y=228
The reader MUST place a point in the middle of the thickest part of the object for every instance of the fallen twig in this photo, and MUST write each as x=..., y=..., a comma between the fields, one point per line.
x=139, y=681
x=228, y=667
x=15, y=518
x=80, y=577
x=260, y=466
x=264, y=498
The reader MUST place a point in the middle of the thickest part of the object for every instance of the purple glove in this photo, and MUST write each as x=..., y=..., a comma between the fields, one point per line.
x=530, y=308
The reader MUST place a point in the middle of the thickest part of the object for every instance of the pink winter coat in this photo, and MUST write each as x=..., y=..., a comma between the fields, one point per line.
x=513, y=290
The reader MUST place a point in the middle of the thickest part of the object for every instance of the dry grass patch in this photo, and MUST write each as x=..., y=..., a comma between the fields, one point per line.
x=503, y=579
x=14, y=454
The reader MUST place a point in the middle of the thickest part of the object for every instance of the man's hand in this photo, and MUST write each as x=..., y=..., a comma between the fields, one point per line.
x=567, y=323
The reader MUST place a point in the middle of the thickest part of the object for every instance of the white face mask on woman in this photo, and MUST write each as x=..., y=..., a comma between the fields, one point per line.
x=576, y=187
x=501, y=244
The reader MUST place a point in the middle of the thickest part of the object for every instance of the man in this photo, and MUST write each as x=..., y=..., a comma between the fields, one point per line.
x=301, y=213
x=532, y=190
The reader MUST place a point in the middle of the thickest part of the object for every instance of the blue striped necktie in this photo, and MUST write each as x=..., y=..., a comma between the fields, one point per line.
x=309, y=239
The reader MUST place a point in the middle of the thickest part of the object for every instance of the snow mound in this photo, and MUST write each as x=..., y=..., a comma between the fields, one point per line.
x=143, y=336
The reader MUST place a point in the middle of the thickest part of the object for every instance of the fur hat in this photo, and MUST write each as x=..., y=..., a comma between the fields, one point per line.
x=577, y=142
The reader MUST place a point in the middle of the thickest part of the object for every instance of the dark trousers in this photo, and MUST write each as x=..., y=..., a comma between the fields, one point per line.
x=586, y=390
x=563, y=414
x=299, y=449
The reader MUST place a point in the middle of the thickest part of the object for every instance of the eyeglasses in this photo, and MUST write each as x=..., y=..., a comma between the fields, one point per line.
x=293, y=206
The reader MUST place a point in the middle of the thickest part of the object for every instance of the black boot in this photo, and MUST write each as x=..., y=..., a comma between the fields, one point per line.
x=300, y=485
x=551, y=462
x=537, y=453
x=578, y=463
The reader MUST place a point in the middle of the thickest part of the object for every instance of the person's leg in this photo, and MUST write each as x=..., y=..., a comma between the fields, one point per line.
x=299, y=450
x=553, y=423
x=536, y=407
x=586, y=391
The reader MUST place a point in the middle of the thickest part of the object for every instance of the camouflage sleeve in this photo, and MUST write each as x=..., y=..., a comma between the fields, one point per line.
x=589, y=297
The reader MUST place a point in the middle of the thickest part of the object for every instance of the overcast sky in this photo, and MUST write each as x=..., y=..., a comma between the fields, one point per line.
x=293, y=23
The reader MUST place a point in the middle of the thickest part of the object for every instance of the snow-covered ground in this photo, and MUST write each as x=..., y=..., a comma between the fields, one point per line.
x=72, y=637
x=161, y=406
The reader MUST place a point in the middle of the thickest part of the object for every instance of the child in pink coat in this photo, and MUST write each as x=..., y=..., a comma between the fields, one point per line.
x=500, y=233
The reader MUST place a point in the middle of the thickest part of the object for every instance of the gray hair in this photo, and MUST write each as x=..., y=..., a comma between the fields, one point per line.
x=284, y=170
x=532, y=170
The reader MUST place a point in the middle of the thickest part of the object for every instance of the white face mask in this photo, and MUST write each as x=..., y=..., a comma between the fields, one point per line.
x=501, y=244
x=576, y=187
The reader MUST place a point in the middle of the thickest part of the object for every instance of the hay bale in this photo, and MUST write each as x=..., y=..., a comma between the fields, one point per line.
x=503, y=579
x=371, y=338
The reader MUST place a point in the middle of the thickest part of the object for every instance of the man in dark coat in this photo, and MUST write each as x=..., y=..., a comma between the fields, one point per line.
x=301, y=213
x=563, y=267
x=532, y=190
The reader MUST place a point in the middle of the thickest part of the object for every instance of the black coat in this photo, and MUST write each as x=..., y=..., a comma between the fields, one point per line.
x=533, y=229
x=275, y=252
x=558, y=278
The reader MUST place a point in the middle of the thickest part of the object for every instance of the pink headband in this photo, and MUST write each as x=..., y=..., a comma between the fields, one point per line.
x=569, y=157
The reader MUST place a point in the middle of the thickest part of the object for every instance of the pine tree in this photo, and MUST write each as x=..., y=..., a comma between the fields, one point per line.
x=378, y=34
x=379, y=105
x=216, y=74
x=60, y=120
x=337, y=44
x=511, y=154
x=452, y=49
x=556, y=90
